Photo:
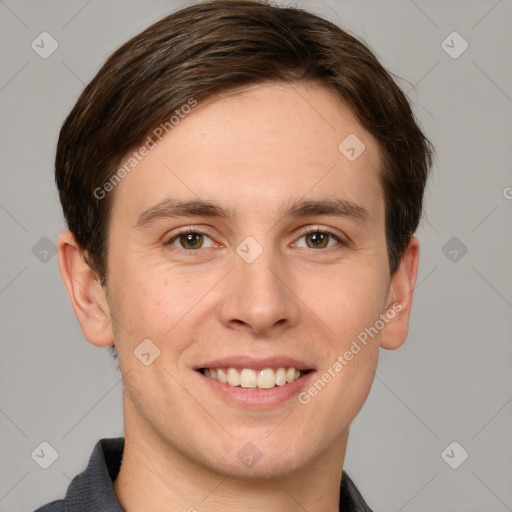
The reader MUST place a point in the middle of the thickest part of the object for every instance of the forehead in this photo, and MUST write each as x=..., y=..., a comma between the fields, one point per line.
x=258, y=148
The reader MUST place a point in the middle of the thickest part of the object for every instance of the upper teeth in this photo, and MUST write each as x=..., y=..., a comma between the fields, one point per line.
x=249, y=378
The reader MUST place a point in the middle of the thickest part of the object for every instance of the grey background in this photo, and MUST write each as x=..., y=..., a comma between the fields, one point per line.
x=451, y=381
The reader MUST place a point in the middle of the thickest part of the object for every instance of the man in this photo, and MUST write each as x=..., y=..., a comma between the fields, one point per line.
x=241, y=183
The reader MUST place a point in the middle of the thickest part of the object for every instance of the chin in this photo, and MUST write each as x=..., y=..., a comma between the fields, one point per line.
x=260, y=458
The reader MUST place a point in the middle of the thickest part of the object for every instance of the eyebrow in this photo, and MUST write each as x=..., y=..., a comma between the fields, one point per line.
x=172, y=208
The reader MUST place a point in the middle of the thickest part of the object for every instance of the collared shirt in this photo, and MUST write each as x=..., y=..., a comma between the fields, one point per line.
x=92, y=490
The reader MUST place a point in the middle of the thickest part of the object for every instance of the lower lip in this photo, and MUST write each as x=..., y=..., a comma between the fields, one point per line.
x=256, y=398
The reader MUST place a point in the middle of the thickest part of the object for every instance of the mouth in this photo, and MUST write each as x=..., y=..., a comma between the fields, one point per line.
x=255, y=383
x=255, y=378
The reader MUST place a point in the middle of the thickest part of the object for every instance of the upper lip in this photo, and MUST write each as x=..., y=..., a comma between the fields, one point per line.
x=256, y=363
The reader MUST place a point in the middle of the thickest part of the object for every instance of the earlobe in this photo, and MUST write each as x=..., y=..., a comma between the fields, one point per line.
x=84, y=288
x=399, y=303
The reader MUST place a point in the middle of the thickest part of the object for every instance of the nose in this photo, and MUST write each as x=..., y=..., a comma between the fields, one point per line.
x=258, y=297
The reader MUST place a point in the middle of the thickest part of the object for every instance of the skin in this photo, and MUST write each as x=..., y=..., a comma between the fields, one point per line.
x=253, y=151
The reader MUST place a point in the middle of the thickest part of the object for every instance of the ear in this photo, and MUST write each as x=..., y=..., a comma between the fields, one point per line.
x=399, y=300
x=88, y=297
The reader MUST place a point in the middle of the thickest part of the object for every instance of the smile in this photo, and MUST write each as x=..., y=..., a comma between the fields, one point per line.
x=249, y=378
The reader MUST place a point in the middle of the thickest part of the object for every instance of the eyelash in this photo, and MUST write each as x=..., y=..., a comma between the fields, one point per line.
x=194, y=252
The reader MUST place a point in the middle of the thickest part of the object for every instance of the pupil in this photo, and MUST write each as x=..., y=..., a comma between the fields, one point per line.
x=317, y=238
x=191, y=238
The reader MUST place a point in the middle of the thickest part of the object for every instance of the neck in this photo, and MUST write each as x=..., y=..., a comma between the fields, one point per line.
x=156, y=475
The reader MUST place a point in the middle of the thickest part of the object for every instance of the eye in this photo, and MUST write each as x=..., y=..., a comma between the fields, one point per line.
x=189, y=240
x=317, y=238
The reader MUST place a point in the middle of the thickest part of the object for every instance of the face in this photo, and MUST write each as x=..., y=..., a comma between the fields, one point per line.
x=285, y=266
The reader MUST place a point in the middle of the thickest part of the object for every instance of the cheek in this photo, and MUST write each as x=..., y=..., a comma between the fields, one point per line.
x=161, y=308
x=348, y=303
x=147, y=299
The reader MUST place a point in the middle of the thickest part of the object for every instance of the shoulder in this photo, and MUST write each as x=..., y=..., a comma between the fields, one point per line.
x=351, y=499
x=92, y=488
x=54, y=506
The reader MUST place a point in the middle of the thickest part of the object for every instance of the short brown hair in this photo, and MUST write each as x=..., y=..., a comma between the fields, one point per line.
x=212, y=47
